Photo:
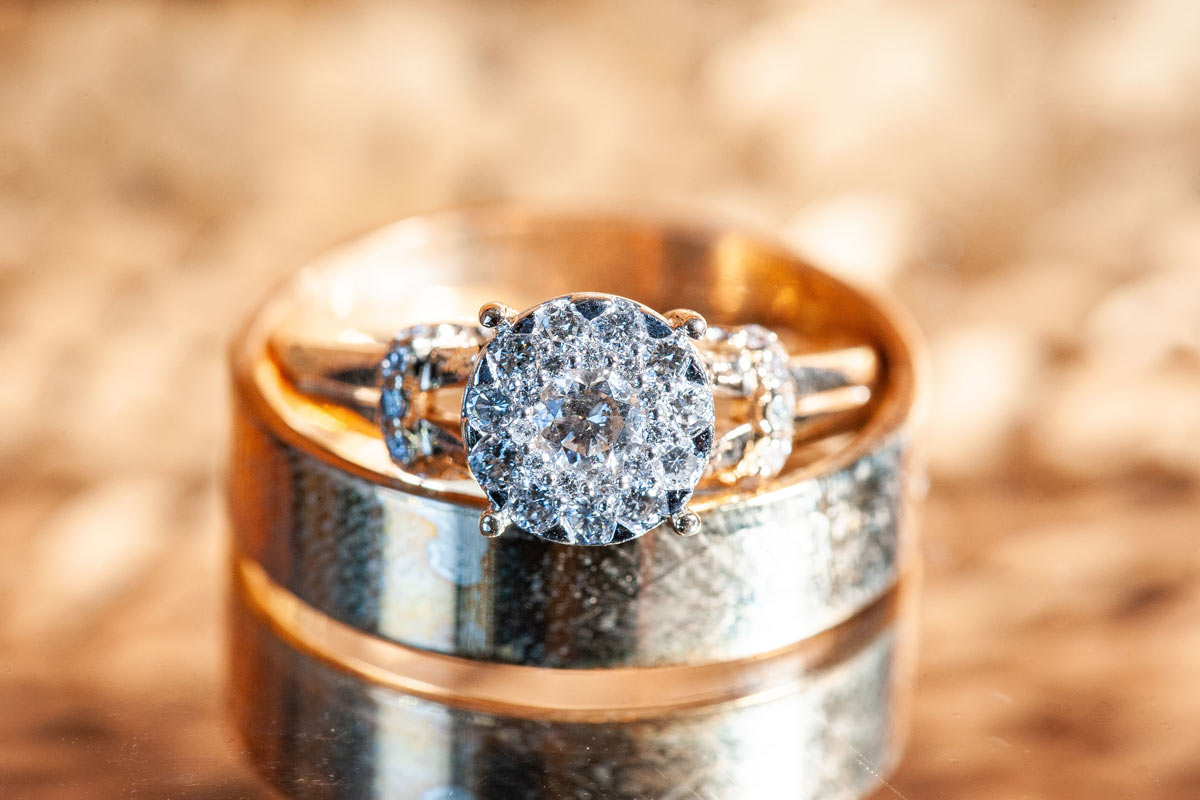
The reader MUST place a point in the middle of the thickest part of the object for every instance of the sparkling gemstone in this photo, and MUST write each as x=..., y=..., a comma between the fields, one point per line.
x=423, y=358
x=534, y=507
x=621, y=323
x=490, y=407
x=560, y=321
x=494, y=458
x=594, y=418
x=643, y=508
x=680, y=465
x=592, y=415
x=692, y=407
x=667, y=357
x=750, y=362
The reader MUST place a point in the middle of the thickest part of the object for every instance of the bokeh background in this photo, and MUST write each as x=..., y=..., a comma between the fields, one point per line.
x=1025, y=176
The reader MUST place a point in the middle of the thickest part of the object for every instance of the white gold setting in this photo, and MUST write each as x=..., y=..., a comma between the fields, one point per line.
x=588, y=419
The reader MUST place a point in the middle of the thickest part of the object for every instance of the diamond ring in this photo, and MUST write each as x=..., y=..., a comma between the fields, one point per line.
x=590, y=419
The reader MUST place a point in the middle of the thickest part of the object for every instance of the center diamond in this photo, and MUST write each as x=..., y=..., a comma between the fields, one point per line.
x=589, y=420
x=593, y=416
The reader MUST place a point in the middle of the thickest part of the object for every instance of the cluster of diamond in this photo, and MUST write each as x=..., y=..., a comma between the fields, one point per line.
x=749, y=362
x=588, y=420
x=422, y=358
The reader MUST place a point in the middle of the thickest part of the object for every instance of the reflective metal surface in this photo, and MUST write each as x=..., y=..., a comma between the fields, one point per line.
x=383, y=648
x=415, y=570
x=315, y=731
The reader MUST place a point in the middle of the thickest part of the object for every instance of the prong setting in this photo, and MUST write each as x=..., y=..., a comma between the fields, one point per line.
x=491, y=524
x=557, y=410
x=686, y=523
x=492, y=315
x=692, y=322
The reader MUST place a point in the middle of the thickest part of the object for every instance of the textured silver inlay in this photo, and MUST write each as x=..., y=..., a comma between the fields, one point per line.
x=759, y=575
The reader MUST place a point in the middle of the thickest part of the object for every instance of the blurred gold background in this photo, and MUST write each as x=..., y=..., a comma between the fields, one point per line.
x=1026, y=177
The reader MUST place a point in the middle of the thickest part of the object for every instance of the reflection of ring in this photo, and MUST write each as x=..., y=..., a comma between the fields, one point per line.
x=832, y=729
x=590, y=419
x=378, y=628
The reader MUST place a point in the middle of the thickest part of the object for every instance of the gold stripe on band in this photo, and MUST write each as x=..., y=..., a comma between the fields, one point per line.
x=601, y=694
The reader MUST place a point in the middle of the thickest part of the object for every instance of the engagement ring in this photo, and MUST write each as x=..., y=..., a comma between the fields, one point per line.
x=590, y=419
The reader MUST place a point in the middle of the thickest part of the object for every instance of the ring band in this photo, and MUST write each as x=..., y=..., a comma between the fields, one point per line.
x=760, y=575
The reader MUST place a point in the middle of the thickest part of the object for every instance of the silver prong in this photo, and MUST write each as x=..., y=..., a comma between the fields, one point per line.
x=692, y=322
x=492, y=314
x=686, y=523
x=491, y=524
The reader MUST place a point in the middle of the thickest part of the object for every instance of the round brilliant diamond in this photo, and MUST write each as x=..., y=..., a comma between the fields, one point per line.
x=593, y=420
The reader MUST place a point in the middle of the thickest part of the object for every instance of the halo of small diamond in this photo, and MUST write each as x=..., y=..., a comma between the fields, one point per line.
x=588, y=420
